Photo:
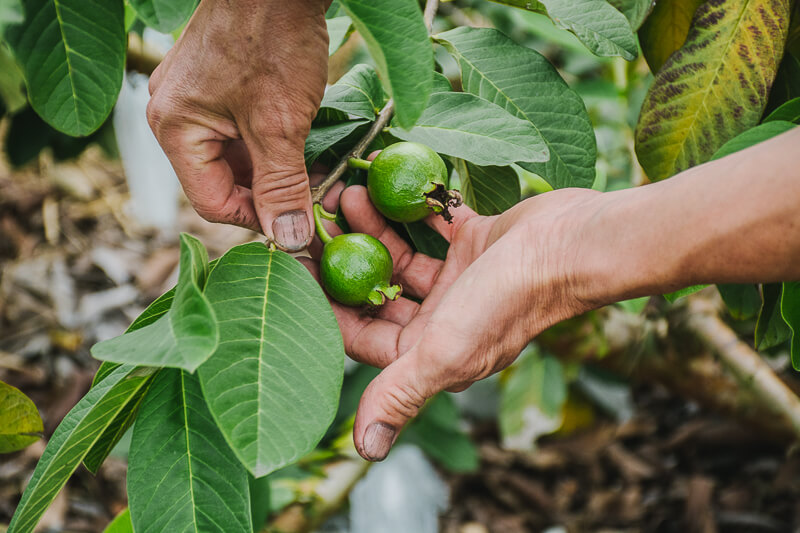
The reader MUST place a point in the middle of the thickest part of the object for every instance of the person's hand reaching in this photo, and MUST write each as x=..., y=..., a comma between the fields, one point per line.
x=232, y=104
x=505, y=279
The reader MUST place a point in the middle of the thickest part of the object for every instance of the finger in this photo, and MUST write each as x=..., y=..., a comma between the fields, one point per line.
x=197, y=154
x=446, y=229
x=416, y=272
x=280, y=187
x=238, y=158
x=393, y=398
x=331, y=200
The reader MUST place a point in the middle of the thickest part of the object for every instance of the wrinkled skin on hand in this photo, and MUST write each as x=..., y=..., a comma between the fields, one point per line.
x=232, y=104
x=505, y=279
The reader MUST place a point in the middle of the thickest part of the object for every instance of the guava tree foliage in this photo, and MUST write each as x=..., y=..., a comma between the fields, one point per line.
x=237, y=371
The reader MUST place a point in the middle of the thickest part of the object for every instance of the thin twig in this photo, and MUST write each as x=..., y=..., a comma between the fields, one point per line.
x=319, y=192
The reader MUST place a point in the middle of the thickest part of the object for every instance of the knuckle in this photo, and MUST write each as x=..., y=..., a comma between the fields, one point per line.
x=285, y=187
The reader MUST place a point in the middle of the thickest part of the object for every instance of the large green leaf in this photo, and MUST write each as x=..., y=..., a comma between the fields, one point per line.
x=531, y=399
x=714, y=87
x=470, y=127
x=771, y=328
x=601, y=28
x=72, y=53
x=753, y=136
x=20, y=424
x=665, y=30
x=526, y=85
x=182, y=476
x=788, y=112
x=636, y=11
x=398, y=42
x=358, y=92
x=186, y=336
x=73, y=439
x=164, y=15
x=790, y=311
x=488, y=190
x=273, y=383
x=321, y=138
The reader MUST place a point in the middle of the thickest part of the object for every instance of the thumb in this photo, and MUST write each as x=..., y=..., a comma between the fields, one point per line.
x=281, y=192
x=392, y=399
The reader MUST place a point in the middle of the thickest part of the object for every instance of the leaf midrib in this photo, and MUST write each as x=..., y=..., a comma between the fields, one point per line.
x=261, y=344
x=69, y=63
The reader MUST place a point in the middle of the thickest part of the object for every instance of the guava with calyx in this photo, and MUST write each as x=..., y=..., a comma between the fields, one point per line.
x=355, y=268
x=407, y=181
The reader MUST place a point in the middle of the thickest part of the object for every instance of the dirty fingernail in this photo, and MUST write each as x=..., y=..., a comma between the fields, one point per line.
x=378, y=440
x=291, y=231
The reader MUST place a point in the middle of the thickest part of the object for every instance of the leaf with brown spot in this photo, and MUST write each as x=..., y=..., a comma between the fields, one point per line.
x=665, y=30
x=714, y=87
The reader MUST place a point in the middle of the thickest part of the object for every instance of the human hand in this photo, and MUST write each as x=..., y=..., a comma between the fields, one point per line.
x=232, y=104
x=506, y=278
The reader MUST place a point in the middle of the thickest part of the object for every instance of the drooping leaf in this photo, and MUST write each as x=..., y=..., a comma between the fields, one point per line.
x=358, y=92
x=164, y=15
x=427, y=240
x=437, y=433
x=470, y=127
x=72, y=54
x=531, y=400
x=323, y=137
x=339, y=29
x=788, y=112
x=753, y=136
x=186, y=336
x=182, y=476
x=488, y=190
x=73, y=439
x=665, y=30
x=771, y=328
x=714, y=87
x=742, y=300
x=273, y=383
x=397, y=39
x=790, y=311
x=20, y=424
x=636, y=11
x=526, y=85
x=121, y=523
x=601, y=28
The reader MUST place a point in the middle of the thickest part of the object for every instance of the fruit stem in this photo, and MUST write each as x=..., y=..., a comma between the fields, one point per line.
x=319, y=214
x=355, y=162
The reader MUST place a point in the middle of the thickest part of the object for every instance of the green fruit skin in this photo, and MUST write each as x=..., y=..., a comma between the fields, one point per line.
x=353, y=265
x=399, y=177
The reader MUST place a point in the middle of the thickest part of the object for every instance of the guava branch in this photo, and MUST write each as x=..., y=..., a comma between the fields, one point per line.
x=319, y=192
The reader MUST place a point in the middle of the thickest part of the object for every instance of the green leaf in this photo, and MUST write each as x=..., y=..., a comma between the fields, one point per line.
x=10, y=13
x=20, y=424
x=470, y=127
x=527, y=86
x=437, y=433
x=531, y=400
x=321, y=138
x=188, y=334
x=488, y=190
x=358, y=92
x=273, y=383
x=680, y=293
x=753, y=136
x=636, y=11
x=788, y=112
x=164, y=15
x=771, y=328
x=665, y=30
x=714, y=87
x=427, y=240
x=73, y=439
x=440, y=83
x=397, y=39
x=121, y=523
x=72, y=53
x=743, y=300
x=181, y=474
x=339, y=29
x=12, y=84
x=790, y=311
x=601, y=28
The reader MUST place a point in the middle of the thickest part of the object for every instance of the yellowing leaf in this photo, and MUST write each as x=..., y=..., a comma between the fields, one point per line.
x=20, y=424
x=665, y=30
